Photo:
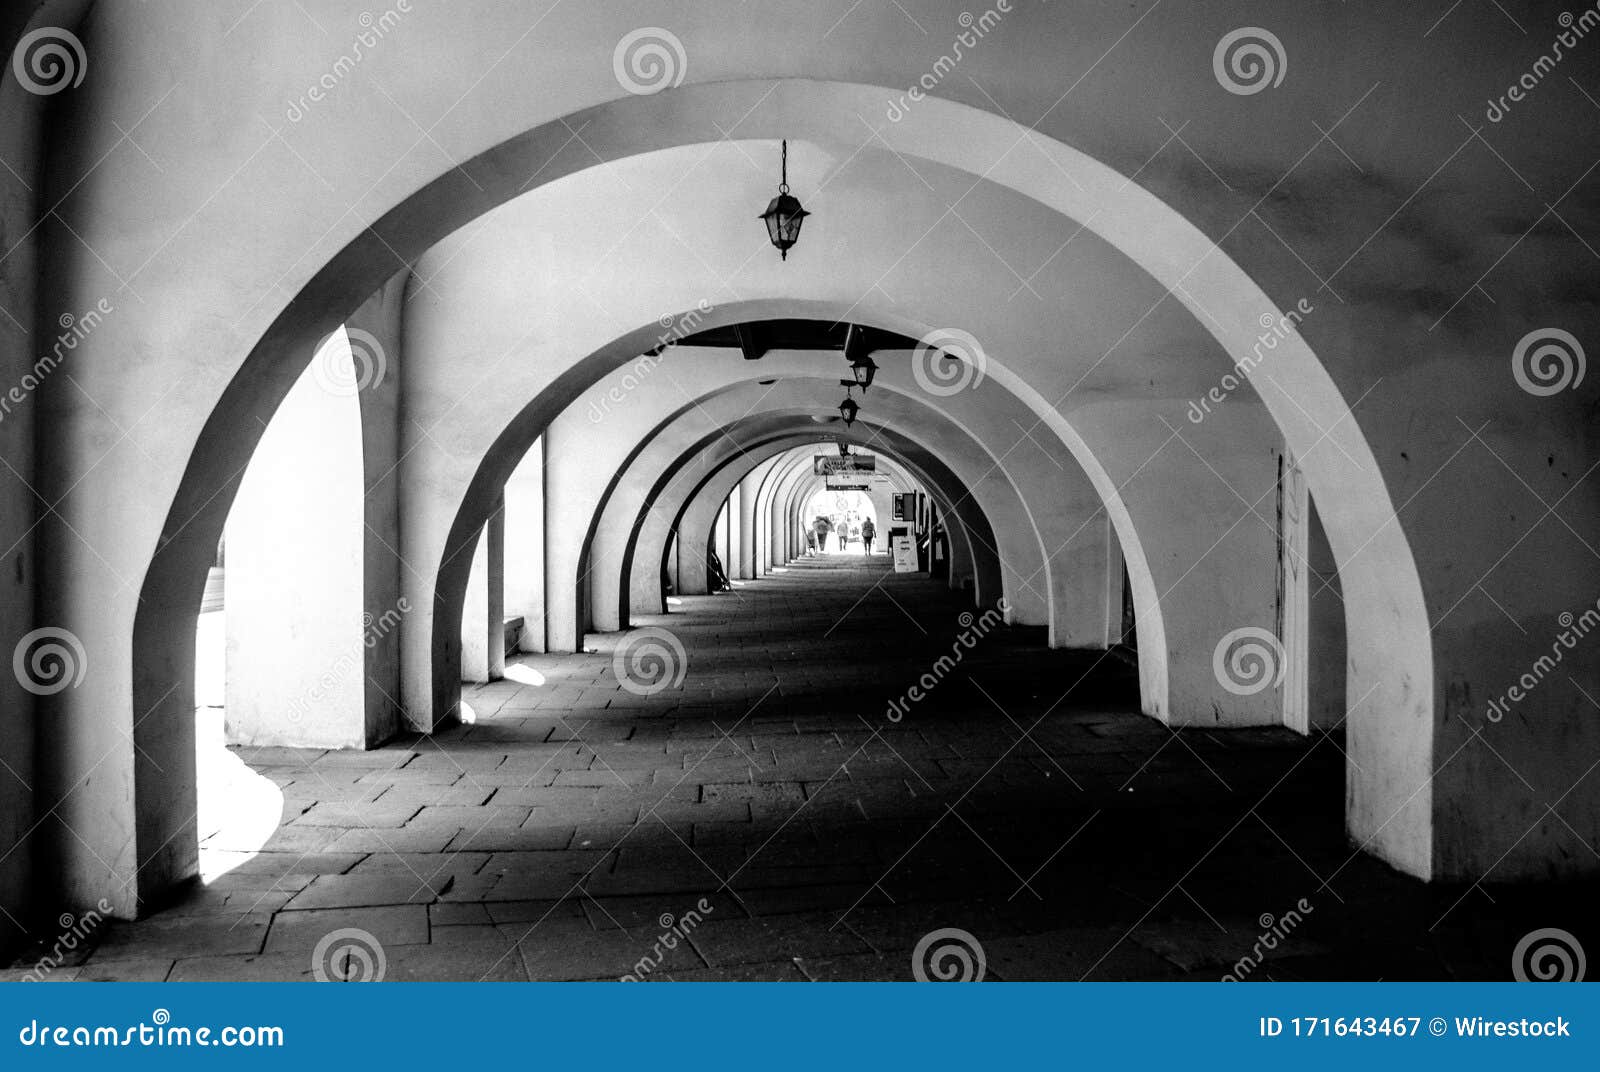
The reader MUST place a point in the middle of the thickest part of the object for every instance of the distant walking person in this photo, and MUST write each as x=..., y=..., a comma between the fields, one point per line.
x=868, y=531
x=821, y=526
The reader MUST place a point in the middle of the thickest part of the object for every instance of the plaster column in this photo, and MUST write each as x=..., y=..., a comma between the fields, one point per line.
x=749, y=565
x=525, y=548
x=722, y=534
x=376, y=327
x=483, y=625
x=563, y=540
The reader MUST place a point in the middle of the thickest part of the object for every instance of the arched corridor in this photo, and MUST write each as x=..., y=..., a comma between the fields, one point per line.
x=824, y=764
x=373, y=411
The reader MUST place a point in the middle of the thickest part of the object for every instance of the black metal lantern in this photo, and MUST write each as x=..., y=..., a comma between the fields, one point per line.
x=863, y=369
x=848, y=410
x=784, y=214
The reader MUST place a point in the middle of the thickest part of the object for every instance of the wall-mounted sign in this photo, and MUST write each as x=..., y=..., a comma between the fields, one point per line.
x=904, y=506
x=844, y=483
x=829, y=464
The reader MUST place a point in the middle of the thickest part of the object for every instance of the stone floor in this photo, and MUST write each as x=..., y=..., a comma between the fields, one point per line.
x=764, y=818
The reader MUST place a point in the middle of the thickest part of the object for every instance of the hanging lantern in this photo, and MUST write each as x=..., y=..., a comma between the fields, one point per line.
x=784, y=214
x=848, y=410
x=863, y=369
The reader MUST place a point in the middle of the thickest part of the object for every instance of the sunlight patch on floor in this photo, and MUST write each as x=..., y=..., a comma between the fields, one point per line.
x=237, y=809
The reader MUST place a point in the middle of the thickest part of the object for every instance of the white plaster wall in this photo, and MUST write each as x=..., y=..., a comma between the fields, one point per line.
x=294, y=582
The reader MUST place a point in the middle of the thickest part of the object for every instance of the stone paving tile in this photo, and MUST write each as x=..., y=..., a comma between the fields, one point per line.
x=145, y=970
x=727, y=942
x=637, y=915
x=238, y=865
x=294, y=932
x=435, y=867
x=473, y=817
x=855, y=968
x=371, y=816
x=215, y=902
x=501, y=839
x=779, y=972
x=457, y=960
x=603, y=955
x=259, y=883
x=1089, y=954
x=181, y=936
x=543, y=913
x=570, y=862
x=465, y=793
x=410, y=839
x=466, y=914
x=353, y=891
x=270, y=967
